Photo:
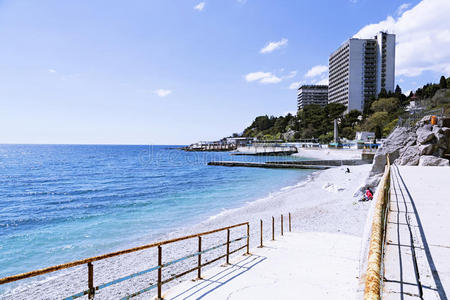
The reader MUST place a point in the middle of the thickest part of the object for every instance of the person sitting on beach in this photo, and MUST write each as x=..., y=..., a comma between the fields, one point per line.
x=368, y=195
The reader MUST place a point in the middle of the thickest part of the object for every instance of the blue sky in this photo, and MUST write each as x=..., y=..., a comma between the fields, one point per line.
x=179, y=71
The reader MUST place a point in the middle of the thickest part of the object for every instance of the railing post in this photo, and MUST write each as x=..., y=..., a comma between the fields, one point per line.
x=289, y=222
x=91, y=280
x=228, y=246
x=159, y=271
x=199, y=272
x=273, y=229
x=281, y=224
x=261, y=237
x=248, y=238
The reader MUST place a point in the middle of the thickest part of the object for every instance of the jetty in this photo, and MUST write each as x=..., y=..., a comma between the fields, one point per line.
x=293, y=164
x=266, y=165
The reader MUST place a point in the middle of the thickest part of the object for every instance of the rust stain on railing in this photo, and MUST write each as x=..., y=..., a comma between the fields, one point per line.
x=372, y=288
x=91, y=288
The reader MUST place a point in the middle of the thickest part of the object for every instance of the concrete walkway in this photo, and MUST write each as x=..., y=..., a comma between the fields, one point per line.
x=417, y=254
x=308, y=265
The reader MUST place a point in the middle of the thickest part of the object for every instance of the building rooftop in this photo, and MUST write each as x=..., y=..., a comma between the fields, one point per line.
x=312, y=86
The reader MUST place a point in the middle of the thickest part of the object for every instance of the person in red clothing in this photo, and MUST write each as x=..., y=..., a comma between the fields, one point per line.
x=368, y=195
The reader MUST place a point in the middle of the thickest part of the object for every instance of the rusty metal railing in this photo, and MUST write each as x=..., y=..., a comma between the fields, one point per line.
x=91, y=290
x=261, y=230
x=373, y=282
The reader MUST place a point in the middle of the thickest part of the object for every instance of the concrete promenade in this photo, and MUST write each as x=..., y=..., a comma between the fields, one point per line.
x=417, y=254
x=309, y=265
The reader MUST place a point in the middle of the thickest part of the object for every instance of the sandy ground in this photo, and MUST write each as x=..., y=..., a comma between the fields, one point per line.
x=324, y=203
x=309, y=265
x=329, y=153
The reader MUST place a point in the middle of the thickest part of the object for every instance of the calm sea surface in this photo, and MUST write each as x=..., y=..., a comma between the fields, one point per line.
x=64, y=202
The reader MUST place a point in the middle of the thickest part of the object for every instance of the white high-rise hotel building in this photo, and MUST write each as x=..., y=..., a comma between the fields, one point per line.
x=360, y=68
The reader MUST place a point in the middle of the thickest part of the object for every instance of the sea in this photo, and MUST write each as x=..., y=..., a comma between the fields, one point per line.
x=60, y=203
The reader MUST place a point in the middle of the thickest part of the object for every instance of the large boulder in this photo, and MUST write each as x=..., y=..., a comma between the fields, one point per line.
x=409, y=156
x=430, y=160
x=400, y=138
x=442, y=135
x=427, y=149
x=424, y=120
x=371, y=182
x=425, y=134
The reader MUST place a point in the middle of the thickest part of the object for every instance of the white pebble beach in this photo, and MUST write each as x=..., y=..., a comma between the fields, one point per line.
x=326, y=219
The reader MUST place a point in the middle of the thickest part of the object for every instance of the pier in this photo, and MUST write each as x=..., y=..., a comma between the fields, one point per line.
x=293, y=164
x=267, y=165
x=266, y=149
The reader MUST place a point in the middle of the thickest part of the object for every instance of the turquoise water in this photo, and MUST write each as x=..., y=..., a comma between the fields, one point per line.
x=65, y=202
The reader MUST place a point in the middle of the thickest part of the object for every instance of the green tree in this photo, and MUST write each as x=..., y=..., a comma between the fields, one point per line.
x=311, y=118
x=383, y=93
x=379, y=118
x=443, y=83
x=347, y=132
x=389, y=105
x=398, y=91
x=389, y=127
x=378, y=133
x=351, y=119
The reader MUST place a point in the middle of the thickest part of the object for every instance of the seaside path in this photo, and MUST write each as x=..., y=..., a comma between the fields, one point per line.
x=417, y=253
x=308, y=265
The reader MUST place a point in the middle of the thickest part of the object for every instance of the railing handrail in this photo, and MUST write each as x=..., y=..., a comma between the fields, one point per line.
x=75, y=263
x=373, y=278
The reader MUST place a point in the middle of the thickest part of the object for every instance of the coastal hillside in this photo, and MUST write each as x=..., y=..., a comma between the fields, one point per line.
x=381, y=115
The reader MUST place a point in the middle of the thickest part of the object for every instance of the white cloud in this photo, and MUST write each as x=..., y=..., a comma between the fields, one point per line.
x=290, y=75
x=271, y=79
x=272, y=46
x=51, y=70
x=257, y=76
x=163, y=92
x=263, y=77
x=422, y=38
x=200, y=6
x=316, y=71
x=402, y=8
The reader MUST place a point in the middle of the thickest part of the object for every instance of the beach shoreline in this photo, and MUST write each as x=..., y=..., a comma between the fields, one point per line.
x=317, y=204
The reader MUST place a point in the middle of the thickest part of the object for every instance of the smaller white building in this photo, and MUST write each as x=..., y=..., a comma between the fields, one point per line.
x=365, y=136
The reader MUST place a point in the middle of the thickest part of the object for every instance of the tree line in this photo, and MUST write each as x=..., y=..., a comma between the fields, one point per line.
x=380, y=115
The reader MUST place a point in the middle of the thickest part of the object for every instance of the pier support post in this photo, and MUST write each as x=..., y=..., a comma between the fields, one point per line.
x=91, y=281
x=248, y=238
x=228, y=246
x=199, y=271
x=159, y=272
x=273, y=229
x=261, y=236
x=290, y=222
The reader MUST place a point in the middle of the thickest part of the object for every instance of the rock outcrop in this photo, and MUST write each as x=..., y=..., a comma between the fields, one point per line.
x=423, y=144
x=430, y=160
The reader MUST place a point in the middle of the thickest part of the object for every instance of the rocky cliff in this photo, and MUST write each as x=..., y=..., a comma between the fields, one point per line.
x=423, y=145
